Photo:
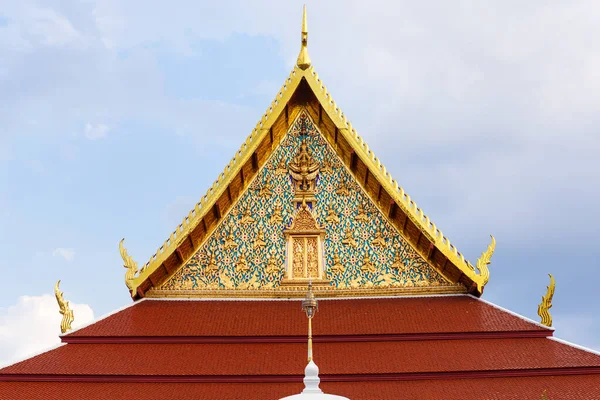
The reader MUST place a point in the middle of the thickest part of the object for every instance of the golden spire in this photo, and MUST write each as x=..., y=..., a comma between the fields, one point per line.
x=303, y=61
x=64, y=309
x=546, y=304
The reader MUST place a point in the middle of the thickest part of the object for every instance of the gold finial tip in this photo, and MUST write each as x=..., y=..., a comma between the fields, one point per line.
x=304, y=23
x=303, y=61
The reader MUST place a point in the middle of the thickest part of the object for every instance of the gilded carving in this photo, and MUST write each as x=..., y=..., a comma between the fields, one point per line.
x=281, y=168
x=63, y=309
x=342, y=189
x=212, y=264
x=483, y=262
x=265, y=190
x=367, y=264
x=230, y=240
x=361, y=215
x=276, y=217
x=128, y=263
x=312, y=256
x=269, y=259
x=546, y=304
x=242, y=264
x=337, y=263
x=332, y=217
x=398, y=262
x=349, y=239
x=247, y=217
x=272, y=265
x=259, y=240
x=379, y=240
x=304, y=170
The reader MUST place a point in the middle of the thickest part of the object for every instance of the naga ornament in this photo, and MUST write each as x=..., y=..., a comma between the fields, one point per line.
x=482, y=264
x=546, y=304
x=131, y=265
x=64, y=309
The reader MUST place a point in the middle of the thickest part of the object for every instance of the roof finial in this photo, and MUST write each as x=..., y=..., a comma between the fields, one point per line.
x=303, y=61
x=546, y=304
x=64, y=309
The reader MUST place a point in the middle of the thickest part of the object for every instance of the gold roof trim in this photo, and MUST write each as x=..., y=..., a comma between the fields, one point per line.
x=194, y=217
x=402, y=199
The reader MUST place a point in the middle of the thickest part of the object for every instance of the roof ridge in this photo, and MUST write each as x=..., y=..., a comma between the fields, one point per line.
x=190, y=221
x=512, y=313
x=402, y=198
x=576, y=346
x=111, y=313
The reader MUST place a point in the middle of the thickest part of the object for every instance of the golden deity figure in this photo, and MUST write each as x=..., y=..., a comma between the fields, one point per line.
x=247, y=217
x=304, y=170
x=342, y=190
x=367, y=266
x=327, y=167
x=212, y=264
x=332, y=217
x=349, y=238
x=265, y=190
x=230, y=240
x=259, y=242
x=337, y=263
x=272, y=265
x=281, y=167
x=276, y=217
x=398, y=262
x=242, y=264
x=226, y=280
x=379, y=240
x=361, y=216
x=64, y=310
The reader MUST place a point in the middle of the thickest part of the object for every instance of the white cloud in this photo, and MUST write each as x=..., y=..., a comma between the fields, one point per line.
x=67, y=254
x=33, y=324
x=96, y=131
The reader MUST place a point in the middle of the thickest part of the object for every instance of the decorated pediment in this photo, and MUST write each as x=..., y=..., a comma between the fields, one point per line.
x=304, y=217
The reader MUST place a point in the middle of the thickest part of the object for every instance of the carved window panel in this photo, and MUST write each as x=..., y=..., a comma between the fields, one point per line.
x=305, y=258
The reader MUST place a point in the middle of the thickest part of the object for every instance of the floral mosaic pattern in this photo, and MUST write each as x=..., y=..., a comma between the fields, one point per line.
x=361, y=248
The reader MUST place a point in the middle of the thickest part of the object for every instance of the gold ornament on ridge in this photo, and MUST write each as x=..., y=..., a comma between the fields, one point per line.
x=303, y=61
x=131, y=265
x=482, y=265
x=546, y=304
x=64, y=309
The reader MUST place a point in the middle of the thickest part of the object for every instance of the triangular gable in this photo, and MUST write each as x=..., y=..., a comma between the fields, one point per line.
x=260, y=243
x=302, y=89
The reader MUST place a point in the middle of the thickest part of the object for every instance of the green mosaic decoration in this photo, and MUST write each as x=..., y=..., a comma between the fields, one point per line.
x=361, y=248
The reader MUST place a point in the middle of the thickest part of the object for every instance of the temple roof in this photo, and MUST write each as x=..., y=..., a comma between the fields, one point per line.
x=304, y=92
x=422, y=347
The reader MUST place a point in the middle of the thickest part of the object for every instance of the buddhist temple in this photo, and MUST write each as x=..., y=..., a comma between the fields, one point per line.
x=216, y=312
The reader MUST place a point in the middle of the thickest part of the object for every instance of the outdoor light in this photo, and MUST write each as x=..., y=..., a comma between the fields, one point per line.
x=310, y=306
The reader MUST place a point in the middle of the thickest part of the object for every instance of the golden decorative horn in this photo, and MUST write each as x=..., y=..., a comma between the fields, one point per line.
x=482, y=264
x=128, y=263
x=64, y=309
x=546, y=304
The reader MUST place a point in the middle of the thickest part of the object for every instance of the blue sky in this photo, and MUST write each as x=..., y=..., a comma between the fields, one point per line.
x=115, y=117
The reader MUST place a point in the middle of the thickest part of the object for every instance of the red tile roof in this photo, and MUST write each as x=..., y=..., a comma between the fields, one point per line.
x=354, y=358
x=448, y=314
x=365, y=348
x=580, y=387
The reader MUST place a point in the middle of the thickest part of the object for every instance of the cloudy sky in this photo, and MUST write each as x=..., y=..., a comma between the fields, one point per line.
x=115, y=117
